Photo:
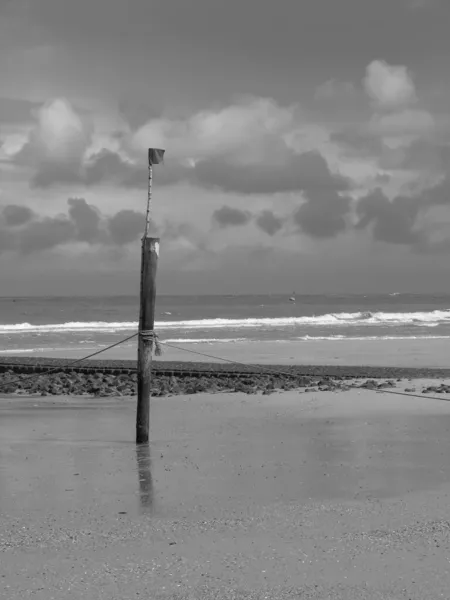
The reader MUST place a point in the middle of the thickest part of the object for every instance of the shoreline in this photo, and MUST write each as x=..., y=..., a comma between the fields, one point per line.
x=63, y=380
x=40, y=365
x=245, y=367
x=422, y=353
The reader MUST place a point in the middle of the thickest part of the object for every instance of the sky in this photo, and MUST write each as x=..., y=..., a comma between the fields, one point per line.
x=307, y=145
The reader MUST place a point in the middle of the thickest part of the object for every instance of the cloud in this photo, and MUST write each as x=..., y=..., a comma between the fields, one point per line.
x=126, y=226
x=393, y=221
x=253, y=146
x=268, y=222
x=439, y=195
x=402, y=220
x=109, y=166
x=87, y=220
x=82, y=224
x=61, y=135
x=56, y=145
x=244, y=148
x=244, y=131
x=324, y=212
x=421, y=155
x=389, y=86
x=15, y=215
x=402, y=123
x=324, y=215
x=286, y=171
x=295, y=172
x=409, y=141
x=228, y=216
x=45, y=234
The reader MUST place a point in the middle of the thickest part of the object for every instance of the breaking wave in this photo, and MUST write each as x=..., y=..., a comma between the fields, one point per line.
x=424, y=319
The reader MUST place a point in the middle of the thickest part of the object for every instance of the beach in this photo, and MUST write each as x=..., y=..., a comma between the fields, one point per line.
x=330, y=496
x=268, y=494
x=397, y=353
x=379, y=330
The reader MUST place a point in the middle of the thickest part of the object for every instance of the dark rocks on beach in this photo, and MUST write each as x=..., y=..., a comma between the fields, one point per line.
x=125, y=384
x=434, y=389
x=371, y=384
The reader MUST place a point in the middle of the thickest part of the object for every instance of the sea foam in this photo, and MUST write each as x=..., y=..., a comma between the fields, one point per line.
x=427, y=319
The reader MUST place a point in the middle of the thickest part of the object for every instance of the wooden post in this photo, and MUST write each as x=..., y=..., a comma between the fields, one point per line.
x=146, y=339
x=145, y=477
x=149, y=265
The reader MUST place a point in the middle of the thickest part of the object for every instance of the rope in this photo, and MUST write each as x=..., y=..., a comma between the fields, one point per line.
x=156, y=343
x=153, y=338
x=275, y=371
x=233, y=362
x=70, y=364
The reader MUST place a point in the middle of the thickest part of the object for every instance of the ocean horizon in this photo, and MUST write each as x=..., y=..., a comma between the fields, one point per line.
x=59, y=323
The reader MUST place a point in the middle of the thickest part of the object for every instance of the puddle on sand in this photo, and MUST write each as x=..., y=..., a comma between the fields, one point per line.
x=54, y=460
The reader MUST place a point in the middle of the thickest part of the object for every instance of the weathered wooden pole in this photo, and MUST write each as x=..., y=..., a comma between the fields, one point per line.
x=146, y=339
x=144, y=470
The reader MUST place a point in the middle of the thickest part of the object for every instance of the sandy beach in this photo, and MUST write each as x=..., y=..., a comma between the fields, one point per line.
x=327, y=495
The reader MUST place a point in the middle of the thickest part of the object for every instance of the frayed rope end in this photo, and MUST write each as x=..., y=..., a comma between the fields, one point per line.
x=154, y=339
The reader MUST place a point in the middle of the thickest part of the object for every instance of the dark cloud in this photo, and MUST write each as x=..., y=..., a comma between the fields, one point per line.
x=295, y=173
x=87, y=219
x=45, y=234
x=439, y=195
x=398, y=221
x=173, y=231
x=269, y=222
x=126, y=226
x=323, y=216
x=228, y=216
x=423, y=154
x=354, y=139
x=138, y=114
x=285, y=172
x=83, y=223
x=392, y=221
x=420, y=155
x=49, y=174
x=104, y=167
x=109, y=166
x=16, y=215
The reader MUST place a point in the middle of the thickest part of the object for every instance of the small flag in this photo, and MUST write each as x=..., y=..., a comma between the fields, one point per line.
x=155, y=156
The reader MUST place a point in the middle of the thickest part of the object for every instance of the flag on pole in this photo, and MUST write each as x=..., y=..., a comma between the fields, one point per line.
x=155, y=156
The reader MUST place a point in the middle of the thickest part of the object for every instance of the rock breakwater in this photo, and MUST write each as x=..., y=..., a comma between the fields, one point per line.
x=100, y=384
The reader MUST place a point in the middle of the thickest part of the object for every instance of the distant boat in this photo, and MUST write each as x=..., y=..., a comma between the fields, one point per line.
x=292, y=298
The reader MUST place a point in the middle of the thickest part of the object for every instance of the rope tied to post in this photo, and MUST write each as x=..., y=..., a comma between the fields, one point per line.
x=152, y=337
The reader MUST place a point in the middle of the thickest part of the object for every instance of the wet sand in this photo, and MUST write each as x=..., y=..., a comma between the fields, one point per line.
x=431, y=353
x=293, y=495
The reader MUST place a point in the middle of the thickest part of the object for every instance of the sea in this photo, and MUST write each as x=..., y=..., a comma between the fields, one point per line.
x=36, y=325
